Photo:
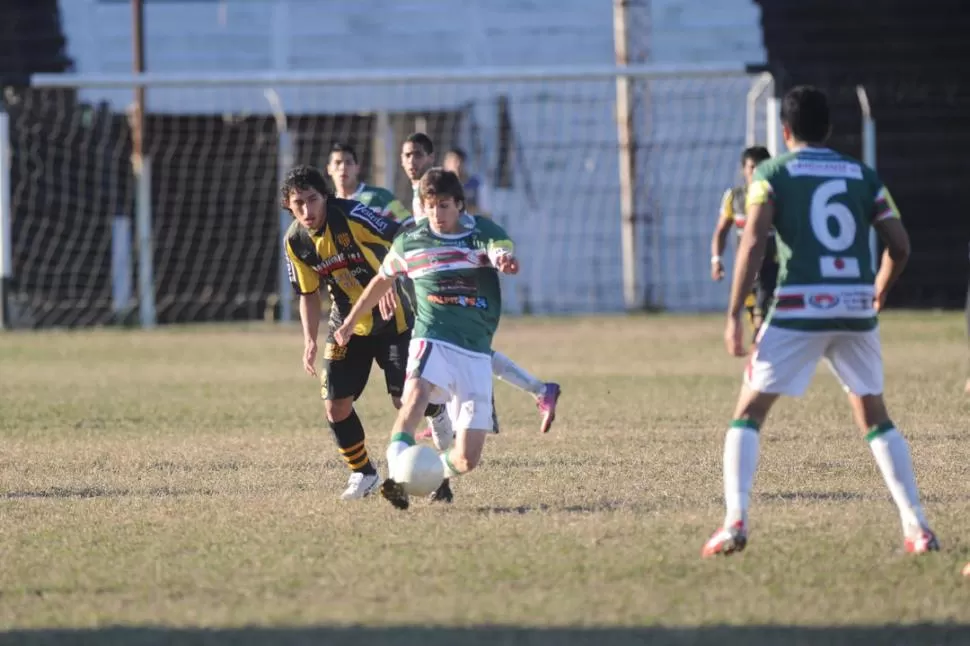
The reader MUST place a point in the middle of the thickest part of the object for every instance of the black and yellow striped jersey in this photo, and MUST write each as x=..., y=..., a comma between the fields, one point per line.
x=346, y=254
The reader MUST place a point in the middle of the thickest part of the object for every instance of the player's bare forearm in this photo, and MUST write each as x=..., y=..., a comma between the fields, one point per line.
x=890, y=269
x=310, y=316
x=368, y=300
x=894, y=258
x=719, y=239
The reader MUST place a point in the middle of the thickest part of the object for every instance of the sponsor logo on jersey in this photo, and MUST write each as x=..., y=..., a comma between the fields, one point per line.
x=857, y=301
x=339, y=261
x=378, y=222
x=823, y=301
x=476, y=302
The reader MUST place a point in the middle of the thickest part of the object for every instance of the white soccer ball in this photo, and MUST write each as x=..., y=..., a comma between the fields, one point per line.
x=418, y=470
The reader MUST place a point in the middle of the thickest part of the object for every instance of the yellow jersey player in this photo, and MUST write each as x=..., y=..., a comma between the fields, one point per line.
x=732, y=216
x=341, y=244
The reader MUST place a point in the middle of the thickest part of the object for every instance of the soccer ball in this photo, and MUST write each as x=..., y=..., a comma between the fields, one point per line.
x=418, y=470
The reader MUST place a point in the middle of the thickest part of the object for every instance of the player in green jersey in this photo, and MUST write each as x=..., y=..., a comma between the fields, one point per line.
x=821, y=205
x=343, y=168
x=417, y=156
x=453, y=259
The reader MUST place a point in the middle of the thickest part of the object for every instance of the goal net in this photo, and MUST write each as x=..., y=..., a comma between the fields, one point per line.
x=543, y=142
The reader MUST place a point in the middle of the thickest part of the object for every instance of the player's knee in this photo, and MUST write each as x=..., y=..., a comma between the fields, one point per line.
x=869, y=411
x=338, y=409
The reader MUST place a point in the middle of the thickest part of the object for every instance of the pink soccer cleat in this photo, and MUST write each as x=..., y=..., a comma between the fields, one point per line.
x=921, y=543
x=546, y=403
x=726, y=541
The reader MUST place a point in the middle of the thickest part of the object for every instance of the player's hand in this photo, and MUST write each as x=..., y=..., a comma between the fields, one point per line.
x=507, y=264
x=387, y=305
x=343, y=333
x=734, y=336
x=717, y=271
x=878, y=301
x=310, y=357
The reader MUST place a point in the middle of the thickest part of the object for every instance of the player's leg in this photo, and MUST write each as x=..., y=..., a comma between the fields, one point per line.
x=428, y=377
x=392, y=355
x=750, y=308
x=345, y=373
x=782, y=364
x=546, y=393
x=856, y=360
x=471, y=410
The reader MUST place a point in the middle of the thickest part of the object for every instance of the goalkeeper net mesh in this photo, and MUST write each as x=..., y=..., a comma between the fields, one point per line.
x=545, y=148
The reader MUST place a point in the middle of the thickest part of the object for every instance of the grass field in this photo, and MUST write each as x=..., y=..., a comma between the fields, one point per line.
x=179, y=486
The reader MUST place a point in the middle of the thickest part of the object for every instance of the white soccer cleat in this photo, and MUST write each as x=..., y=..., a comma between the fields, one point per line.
x=360, y=485
x=442, y=433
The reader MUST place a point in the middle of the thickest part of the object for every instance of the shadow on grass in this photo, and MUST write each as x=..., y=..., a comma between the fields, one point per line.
x=104, y=492
x=923, y=635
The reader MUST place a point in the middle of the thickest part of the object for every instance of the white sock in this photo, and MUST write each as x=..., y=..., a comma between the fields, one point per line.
x=740, y=463
x=892, y=456
x=399, y=443
x=506, y=370
x=449, y=469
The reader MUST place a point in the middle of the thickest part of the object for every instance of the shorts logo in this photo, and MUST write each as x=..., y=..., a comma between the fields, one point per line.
x=823, y=301
x=324, y=386
x=334, y=352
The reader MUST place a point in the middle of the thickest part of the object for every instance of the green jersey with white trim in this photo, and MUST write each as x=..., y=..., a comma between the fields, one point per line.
x=824, y=206
x=459, y=298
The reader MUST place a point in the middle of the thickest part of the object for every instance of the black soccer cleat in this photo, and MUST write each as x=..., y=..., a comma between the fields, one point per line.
x=394, y=493
x=442, y=493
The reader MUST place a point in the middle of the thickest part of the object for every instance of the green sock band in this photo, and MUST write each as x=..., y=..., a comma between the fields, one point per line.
x=451, y=467
x=879, y=429
x=403, y=437
x=745, y=423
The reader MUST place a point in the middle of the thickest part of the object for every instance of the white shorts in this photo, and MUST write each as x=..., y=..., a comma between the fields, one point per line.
x=462, y=381
x=785, y=361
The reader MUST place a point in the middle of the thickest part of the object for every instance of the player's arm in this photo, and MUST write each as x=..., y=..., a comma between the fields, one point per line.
x=719, y=240
x=760, y=211
x=499, y=247
x=376, y=289
x=306, y=283
x=397, y=211
x=889, y=225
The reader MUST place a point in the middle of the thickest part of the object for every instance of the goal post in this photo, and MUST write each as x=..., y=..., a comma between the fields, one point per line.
x=544, y=140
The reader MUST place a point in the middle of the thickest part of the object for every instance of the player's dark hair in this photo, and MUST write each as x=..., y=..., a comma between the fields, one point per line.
x=342, y=147
x=459, y=153
x=805, y=110
x=302, y=178
x=422, y=140
x=756, y=154
x=438, y=182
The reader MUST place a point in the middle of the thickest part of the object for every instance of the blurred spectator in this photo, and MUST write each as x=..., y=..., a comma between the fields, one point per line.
x=476, y=191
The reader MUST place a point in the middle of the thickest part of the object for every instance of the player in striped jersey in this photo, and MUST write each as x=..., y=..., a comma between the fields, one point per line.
x=821, y=205
x=417, y=156
x=732, y=216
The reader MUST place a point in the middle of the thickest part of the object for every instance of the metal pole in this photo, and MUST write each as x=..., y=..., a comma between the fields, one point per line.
x=141, y=168
x=626, y=140
x=6, y=219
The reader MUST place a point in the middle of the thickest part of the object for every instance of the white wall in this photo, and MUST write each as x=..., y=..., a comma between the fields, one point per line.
x=567, y=131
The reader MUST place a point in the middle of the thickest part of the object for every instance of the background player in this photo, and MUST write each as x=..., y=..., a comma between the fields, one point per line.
x=821, y=205
x=732, y=216
x=344, y=170
x=476, y=190
x=341, y=243
x=417, y=156
x=452, y=258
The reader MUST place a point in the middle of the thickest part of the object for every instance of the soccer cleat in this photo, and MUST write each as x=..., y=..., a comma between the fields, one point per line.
x=360, y=485
x=442, y=434
x=442, y=493
x=921, y=543
x=726, y=541
x=395, y=494
x=546, y=403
